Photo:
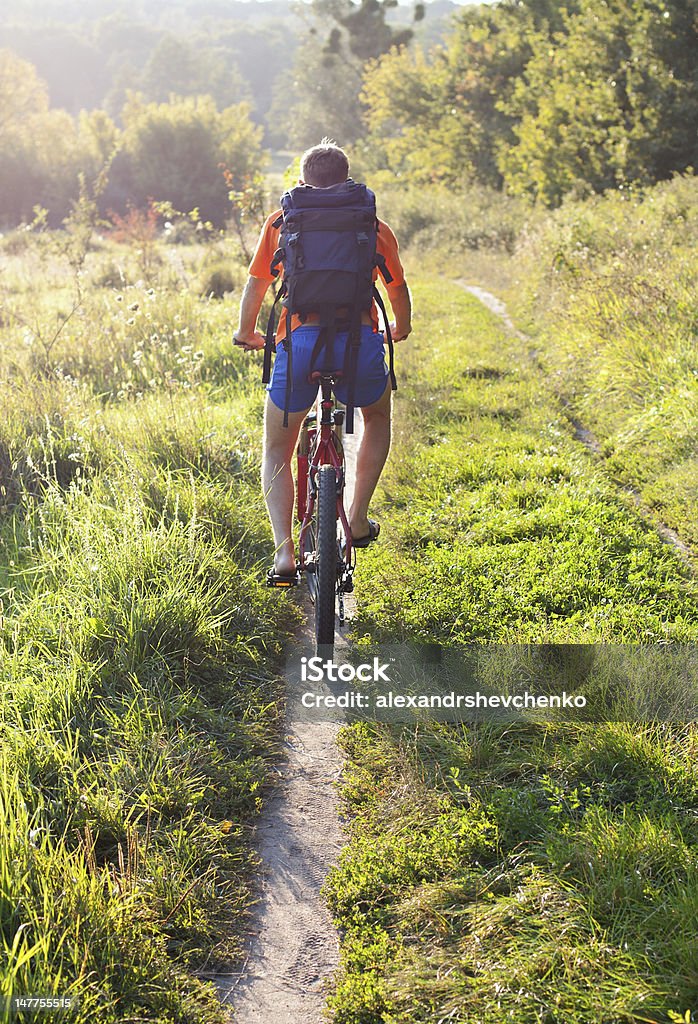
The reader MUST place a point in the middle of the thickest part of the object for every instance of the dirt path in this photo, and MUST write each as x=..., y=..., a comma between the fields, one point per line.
x=293, y=947
x=495, y=306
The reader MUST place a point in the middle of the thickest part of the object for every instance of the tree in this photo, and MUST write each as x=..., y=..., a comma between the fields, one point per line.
x=22, y=93
x=324, y=94
x=544, y=98
x=444, y=117
x=177, y=152
x=411, y=130
x=613, y=101
x=179, y=67
x=39, y=152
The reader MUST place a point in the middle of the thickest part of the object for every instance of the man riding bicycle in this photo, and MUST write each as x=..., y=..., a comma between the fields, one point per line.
x=321, y=167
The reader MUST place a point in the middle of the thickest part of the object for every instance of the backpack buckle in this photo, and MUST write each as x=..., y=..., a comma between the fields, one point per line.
x=277, y=259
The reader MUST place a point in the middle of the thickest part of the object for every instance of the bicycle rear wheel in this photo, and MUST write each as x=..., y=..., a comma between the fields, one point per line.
x=326, y=565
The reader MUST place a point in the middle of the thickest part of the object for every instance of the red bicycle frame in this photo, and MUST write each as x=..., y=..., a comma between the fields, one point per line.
x=324, y=448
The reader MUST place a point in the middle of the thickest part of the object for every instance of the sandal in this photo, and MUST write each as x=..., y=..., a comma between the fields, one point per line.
x=374, y=529
x=278, y=579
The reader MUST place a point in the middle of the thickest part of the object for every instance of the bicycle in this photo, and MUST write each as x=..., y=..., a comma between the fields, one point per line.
x=327, y=556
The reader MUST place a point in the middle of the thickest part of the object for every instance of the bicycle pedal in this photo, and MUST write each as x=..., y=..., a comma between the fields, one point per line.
x=282, y=582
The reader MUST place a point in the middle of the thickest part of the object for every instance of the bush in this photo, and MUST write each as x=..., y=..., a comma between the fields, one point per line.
x=442, y=219
x=110, y=275
x=217, y=281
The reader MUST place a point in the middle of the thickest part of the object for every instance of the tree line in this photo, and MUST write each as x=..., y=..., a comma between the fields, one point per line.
x=184, y=151
x=541, y=98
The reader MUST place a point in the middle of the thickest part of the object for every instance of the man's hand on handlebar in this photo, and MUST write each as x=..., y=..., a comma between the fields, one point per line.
x=251, y=342
x=400, y=331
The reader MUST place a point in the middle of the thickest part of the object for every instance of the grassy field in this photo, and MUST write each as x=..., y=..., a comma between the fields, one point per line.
x=611, y=294
x=524, y=872
x=605, y=288
x=514, y=872
x=139, y=702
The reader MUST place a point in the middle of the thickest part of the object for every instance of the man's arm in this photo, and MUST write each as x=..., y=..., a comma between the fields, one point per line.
x=401, y=303
x=247, y=336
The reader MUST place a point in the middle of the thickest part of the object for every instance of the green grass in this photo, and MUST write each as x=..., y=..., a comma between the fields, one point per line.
x=499, y=525
x=608, y=288
x=518, y=872
x=140, y=706
x=525, y=874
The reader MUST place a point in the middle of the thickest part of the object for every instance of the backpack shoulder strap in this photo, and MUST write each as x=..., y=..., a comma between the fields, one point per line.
x=388, y=337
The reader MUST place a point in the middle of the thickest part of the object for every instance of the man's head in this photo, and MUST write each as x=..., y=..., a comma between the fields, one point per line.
x=324, y=165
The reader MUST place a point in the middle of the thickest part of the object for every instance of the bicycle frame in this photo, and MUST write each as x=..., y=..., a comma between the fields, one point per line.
x=324, y=448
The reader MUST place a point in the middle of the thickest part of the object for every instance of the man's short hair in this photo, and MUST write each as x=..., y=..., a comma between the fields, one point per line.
x=324, y=165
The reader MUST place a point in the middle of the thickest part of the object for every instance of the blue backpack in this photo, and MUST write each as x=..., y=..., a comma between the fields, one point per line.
x=327, y=247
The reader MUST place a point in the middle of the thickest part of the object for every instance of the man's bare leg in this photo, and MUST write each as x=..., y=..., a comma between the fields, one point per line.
x=370, y=459
x=277, y=481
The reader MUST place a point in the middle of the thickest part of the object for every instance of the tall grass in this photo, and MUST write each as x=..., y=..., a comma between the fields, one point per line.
x=610, y=290
x=139, y=702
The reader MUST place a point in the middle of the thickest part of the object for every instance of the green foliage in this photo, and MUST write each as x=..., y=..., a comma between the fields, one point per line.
x=176, y=67
x=39, y=155
x=443, y=117
x=368, y=33
x=544, y=98
x=176, y=152
x=614, y=101
x=231, y=52
x=449, y=221
x=323, y=97
x=217, y=280
x=320, y=99
x=610, y=284
x=440, y=118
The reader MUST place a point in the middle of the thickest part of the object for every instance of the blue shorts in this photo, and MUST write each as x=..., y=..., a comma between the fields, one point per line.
x=371, y=369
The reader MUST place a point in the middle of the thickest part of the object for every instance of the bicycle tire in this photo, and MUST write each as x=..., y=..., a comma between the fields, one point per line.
x=326, y=569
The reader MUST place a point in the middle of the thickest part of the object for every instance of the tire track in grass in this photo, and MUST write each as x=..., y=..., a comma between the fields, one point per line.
x=293, y=947
x=582, y=433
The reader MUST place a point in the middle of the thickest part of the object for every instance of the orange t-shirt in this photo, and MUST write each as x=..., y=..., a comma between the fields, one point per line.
x=386, y=246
